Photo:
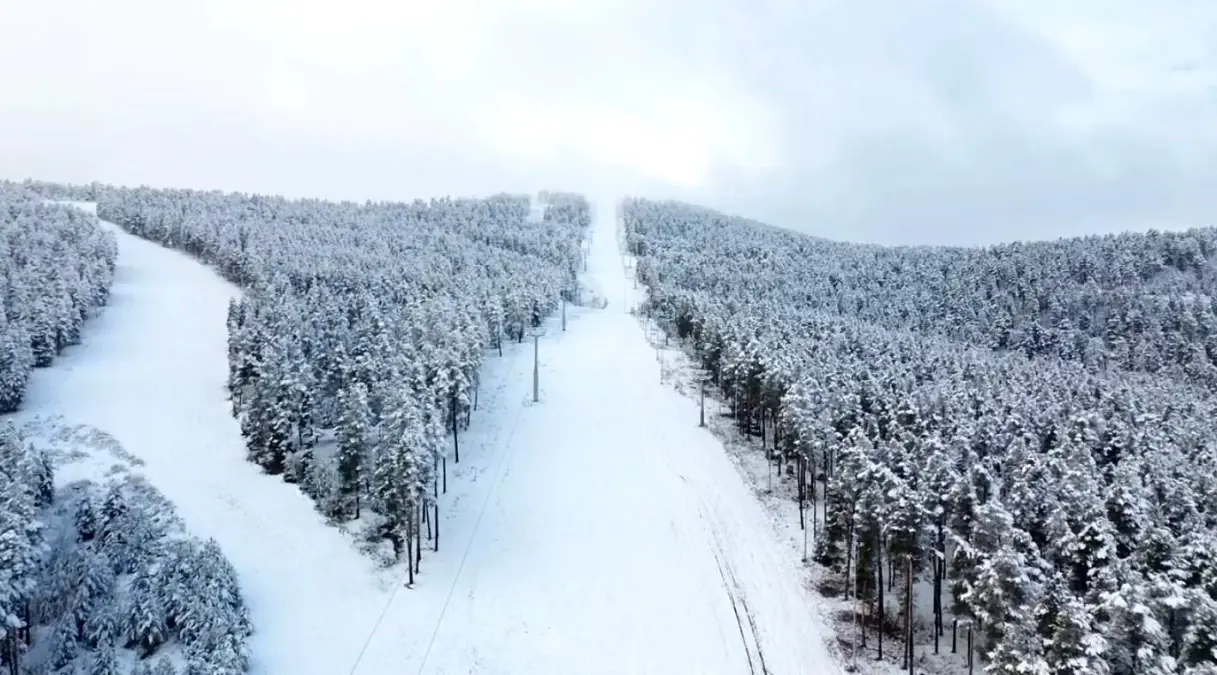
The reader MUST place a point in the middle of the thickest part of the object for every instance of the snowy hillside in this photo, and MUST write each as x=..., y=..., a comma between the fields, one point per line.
x=597, y=530
x=1004, y=459
x=56, y=266
x=151, y=375
x=612, y=535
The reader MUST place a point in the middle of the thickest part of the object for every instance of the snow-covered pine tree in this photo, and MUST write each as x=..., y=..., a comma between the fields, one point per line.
x=354, y=436
x=146, y=627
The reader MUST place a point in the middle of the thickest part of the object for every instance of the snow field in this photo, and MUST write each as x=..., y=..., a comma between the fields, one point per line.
x=616, y=536
x=599, y=531
x=150, y=372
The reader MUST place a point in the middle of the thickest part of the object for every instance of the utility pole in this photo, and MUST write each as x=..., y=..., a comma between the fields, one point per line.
x=702, y=376
x=536, y=334
x=702, y=419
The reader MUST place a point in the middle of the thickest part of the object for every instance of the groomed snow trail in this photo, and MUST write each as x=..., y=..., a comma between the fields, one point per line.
x=151, y=372
x=610, y=535
x=599, y=531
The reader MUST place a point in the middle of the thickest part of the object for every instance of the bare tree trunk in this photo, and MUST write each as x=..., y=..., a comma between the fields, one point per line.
x=409, y=551
x=849, y=555
x=908, y=612
x=802, y=492
x=436, y=519
x=937, y=601
x=418, y=547
x=879, y=570
x=456, y=443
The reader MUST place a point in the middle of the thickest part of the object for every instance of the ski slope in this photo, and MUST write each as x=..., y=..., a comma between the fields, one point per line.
x=151, y=372
x=611, y=535
x=597, y=531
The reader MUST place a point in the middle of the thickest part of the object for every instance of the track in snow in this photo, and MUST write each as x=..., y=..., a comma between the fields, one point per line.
x=151, y=372
x=615, y=536
x=600, y=531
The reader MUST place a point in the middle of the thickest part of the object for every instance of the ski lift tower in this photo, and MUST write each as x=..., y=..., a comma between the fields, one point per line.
x=536, y=333
x=703, y=378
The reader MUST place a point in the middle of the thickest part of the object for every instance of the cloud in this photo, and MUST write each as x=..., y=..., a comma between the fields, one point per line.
x=942, y=121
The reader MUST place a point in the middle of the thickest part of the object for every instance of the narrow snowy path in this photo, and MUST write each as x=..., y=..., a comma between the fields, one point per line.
x=151, y=372
x=614, y=536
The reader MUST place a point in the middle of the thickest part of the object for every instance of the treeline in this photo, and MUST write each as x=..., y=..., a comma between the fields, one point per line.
x=56, y=266
x=354, y=354
x=1144, y=302
x=93, y=571
x=1060, y=502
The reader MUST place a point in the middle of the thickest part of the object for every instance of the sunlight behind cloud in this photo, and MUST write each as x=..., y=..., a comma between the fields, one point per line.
x=676, y=140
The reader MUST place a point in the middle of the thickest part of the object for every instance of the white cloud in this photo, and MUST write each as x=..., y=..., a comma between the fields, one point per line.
x=935, y=121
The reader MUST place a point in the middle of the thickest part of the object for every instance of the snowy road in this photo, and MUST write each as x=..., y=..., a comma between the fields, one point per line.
x=614, y=536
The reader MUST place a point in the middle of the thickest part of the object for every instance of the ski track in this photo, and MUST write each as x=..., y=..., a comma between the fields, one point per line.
x=151, y=372
x=599, y=531
x=615, y=535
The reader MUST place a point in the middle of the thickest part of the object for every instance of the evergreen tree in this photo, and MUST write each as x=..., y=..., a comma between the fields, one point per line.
x=353, y=443
x=146, y=623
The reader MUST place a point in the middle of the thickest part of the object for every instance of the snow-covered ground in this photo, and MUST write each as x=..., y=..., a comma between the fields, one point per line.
x=598, y=531
x=151, y=373
x=612, y=535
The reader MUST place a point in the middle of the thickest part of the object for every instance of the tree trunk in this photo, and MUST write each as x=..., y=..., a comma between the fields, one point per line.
x=879, y=569
x=802, y=496
x=763, y=427
x=436, y=519
x=418, y=548
x=849, y=557
x=937, y=601
x=456, y=443
x=908, y=611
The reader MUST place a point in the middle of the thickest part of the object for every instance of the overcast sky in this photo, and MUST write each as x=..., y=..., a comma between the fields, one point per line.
x=896, y=121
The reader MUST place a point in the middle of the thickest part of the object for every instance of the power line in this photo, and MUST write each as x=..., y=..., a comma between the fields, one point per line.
x=469, y=546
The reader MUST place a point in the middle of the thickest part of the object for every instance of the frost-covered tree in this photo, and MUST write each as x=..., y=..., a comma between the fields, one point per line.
x=1036, y=414
x=56, y=267
x=70, y=590
x=146, y=627
x=354, y=443
x=378, y=296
